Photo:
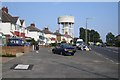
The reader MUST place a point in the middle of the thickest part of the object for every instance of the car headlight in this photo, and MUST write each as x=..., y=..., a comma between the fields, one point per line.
x=65, y=49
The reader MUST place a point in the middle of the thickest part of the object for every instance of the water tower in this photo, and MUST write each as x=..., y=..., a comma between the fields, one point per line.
x=66, y=25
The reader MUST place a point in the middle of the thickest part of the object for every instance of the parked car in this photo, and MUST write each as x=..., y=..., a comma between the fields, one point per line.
x=64, y=49
x=86, y=48
x=82, y=46
x=15, y=42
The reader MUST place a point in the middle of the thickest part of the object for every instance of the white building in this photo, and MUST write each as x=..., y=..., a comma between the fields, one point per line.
x=10, y=26
x=51, y=37
x=33, y=32
x=66, y=25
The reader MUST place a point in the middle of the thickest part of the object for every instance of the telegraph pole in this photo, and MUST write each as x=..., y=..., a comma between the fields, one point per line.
x=86, y=32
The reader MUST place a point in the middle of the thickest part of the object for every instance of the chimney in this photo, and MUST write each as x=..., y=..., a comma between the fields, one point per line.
x=5, y=9
x=46, y=28
x=33, y=25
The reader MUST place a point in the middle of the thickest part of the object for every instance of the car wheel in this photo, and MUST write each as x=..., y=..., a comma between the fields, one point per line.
x=53, y=51
x=72, y=54
x=61, y=53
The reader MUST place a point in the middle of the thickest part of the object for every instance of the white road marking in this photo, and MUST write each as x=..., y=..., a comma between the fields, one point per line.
x=112, y=61
x=115, y=51
x=109, y=50
x=117, y=63
x=97, y=61
x=104, y=57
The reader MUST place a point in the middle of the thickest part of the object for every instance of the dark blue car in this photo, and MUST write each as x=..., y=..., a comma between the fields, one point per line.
x=64, y=49
x=15, y=42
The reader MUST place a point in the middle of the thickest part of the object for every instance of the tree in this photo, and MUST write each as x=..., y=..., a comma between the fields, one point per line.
x=110, y=39
x=96, y=37
x=82, y=33
x=92, y=35
x=32, y=41
x=117, y=41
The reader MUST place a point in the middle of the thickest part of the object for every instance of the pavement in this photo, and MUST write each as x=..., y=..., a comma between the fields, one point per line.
x=84, y=64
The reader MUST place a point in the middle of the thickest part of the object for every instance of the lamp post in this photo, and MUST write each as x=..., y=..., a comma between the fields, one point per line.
x=86, y=29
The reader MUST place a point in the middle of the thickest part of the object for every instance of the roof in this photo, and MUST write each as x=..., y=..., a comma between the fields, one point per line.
x=6, y=17
x=21, y=21
x=58, y=34
x=15, y=19
x=68, y=36
x=33, y=28
x=46, y=31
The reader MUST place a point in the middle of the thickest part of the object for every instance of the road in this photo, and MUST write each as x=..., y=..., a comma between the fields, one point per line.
x=84, y=64
x=110, y=53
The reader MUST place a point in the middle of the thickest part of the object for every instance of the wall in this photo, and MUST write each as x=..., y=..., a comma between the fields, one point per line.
x=53, y=36
x=48, y=36
x=5, y=28
x=15, y=49
x=33, y=35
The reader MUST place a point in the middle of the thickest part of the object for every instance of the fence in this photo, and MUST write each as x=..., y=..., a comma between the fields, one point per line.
x=15, y=49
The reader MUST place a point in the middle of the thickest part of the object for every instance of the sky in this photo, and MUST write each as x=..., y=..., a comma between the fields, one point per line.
x=104, y=14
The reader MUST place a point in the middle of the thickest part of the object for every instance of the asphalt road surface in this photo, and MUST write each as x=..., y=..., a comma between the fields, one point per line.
x=110, y=53
x=84, y=64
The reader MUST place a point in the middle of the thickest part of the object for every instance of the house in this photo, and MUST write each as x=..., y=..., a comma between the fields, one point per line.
x=22, y=28
x=33, y=32
x=10, y=25
x=51, y=37
x=68, y=38
x=58, y=36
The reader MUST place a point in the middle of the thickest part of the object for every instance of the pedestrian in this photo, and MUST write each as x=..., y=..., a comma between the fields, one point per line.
x=37, y=48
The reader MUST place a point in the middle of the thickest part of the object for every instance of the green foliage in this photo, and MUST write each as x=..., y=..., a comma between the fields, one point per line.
x=110, y=39
x=92, y=35
x=117, y=41
x=32, y=41
x=63, y=42
x=82, y=34
x=8, y=55
x=53, y=44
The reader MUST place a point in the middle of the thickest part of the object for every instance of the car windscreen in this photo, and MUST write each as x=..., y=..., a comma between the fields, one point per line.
x=65, y=45
x=79, y=42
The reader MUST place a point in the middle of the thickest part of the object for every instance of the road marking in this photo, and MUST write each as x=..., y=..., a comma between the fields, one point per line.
x=117, y=63
x=115, y=51
x=105, y=57
x=97, y=61
x=109, y=50
x=111, y=60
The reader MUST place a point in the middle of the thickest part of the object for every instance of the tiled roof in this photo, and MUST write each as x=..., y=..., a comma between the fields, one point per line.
x=68, y=36
x=58, y=34
x=8, y=18
x=15, y=19
x=46, y=31
x=21, y=21
x=33, y=28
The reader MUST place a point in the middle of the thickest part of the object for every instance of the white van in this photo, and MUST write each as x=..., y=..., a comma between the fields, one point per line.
x=79, y=44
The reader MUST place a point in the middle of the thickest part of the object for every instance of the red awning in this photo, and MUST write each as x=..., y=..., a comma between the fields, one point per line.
x=53, y=39
x=27, y=37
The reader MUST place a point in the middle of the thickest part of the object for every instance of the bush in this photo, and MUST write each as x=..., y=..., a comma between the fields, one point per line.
x=53, y=44
x=8, y=55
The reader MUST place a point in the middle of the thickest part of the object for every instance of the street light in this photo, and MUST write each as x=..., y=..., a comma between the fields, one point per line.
x=86, y=29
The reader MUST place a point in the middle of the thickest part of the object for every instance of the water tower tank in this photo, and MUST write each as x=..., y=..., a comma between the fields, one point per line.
x=66, y=25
